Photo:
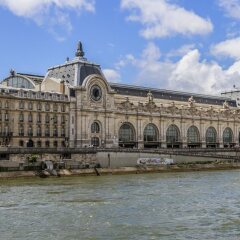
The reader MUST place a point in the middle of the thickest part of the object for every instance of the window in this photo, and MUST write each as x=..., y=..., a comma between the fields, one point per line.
x=39, y=118
x=227, y=136
x=47, y=132
x=211, y=135
x=55, y=144
x=30, y=131
x=63, y=119
x=55, y=132
x=21, y=143
x=39, y=131
x=126, y=133
x=20, y=82
x=63, y=132
x=63, y=108
x=63, y=144
x=55, y=119
x=95, y=128
x=30, y=106
x=193, y=135
x=55, y=107
x=6, y=104
x=47, y=144
x=150, y=133
x=6, y=117
x=38, y=94
x=21, y=130
x=47, y=118
x=47, y=107
x=95, y=142
x=39, y=106
x=30, y=118
x=39, y=144
x=172, y=135
x=21, y=117
x=21, y=105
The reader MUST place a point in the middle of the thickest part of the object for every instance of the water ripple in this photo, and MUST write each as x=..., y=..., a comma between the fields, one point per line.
x=199, y=205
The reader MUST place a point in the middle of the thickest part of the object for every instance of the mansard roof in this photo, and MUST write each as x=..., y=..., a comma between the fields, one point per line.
x=139, y=91
x=75, y=71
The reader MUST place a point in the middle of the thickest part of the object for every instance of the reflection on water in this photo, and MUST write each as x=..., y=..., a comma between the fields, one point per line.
x=204, y=205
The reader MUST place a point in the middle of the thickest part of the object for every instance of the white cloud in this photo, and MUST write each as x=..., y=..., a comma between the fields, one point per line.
x=228, y=48
x=112, y=75
x=231, y=7
x=161, y=19
x=183, y=50
x=190, y=73
x=50, y=13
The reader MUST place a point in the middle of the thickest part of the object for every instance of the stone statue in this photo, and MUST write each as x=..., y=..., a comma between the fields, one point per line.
x=225, y=105
x=150, y=96
x=191, y=101
x=80, y=52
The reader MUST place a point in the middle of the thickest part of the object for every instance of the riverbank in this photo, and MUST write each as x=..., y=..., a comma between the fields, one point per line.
x=124, y=170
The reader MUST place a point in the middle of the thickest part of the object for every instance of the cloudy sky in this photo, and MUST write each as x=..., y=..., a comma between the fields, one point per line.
x=189, y=45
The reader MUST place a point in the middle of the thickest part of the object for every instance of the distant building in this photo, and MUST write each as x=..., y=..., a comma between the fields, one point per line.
x=75, y=106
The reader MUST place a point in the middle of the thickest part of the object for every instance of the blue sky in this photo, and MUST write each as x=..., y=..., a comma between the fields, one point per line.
x=175, y=44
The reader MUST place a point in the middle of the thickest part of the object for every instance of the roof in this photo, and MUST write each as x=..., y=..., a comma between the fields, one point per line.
x=138, y=91
x=75, y=71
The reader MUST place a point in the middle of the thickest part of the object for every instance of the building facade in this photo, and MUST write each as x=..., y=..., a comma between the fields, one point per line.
x=75, y=106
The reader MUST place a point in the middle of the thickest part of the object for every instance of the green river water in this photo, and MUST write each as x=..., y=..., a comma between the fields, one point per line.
x=197, y=205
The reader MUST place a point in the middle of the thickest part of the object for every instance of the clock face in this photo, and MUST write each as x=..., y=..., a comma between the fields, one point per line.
x=96, y=93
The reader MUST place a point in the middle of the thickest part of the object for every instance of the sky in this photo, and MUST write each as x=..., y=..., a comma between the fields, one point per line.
x=186, y=45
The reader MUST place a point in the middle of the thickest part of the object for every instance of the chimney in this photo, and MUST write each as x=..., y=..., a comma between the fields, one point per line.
x=62, y=87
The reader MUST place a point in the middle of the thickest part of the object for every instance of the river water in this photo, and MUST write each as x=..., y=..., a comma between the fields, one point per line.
x=197, y=205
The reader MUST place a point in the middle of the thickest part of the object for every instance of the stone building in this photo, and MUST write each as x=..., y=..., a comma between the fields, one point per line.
x=75, y=106
x=30, y=117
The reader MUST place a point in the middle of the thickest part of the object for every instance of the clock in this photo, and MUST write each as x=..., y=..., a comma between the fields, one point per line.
x=96, y=93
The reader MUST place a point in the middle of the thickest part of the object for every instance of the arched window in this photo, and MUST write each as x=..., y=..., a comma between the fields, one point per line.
x=95, y=142
x=172, y=135
x=227, y=135
x=95, y=128
x=19, y=82
x=211, y=135
x=193, y=135
x=127, y=135
x=150, y=133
